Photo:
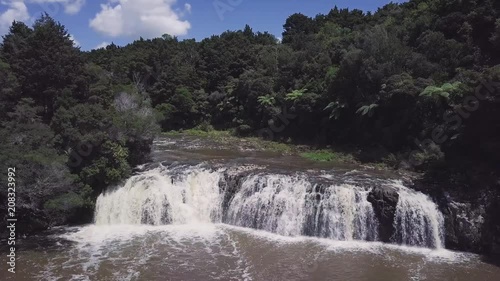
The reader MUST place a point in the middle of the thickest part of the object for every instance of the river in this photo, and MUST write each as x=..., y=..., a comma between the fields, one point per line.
x=201, y=211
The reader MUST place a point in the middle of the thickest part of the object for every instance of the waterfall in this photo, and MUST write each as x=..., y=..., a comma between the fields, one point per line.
x=270, y=202
x=417, y=221
x=157, y=197
x=343, y=213
x=290, y=205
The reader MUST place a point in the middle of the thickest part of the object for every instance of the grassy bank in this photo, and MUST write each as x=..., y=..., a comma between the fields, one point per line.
x=230, y=139
x=326, y=155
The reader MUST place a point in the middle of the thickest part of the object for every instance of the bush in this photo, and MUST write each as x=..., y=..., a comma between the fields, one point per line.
x=205, y=126
x=243, y=130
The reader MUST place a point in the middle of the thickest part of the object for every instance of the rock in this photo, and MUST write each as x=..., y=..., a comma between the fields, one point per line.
x=229, y=185
x=384, y=200
x=491, y=235
x=463, y=226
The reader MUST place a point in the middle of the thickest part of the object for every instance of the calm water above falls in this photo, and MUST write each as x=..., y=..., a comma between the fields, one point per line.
x=221, y=221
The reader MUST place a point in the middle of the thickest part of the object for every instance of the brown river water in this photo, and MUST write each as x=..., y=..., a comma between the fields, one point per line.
x=142, y=231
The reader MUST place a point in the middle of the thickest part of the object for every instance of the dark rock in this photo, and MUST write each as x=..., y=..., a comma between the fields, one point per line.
x=229, y=185
x=463, y=226
x=491, y=230
x=470, y=202
x=384, y=200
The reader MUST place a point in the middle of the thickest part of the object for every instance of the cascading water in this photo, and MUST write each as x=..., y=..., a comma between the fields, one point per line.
x=417, y=221
x=282, y=204
x=293, y=206
x=158, y=197
x=342, y=212
x=270, y=202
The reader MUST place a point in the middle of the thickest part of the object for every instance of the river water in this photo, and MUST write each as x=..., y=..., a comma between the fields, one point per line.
x=202, y=212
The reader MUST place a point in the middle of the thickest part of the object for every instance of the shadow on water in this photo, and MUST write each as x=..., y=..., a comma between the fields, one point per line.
x=492, y=260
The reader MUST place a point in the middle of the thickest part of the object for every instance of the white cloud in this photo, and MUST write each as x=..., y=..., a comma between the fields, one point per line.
x=146, y=18
x=102, y=45
x=70, y=6
x=16, y=10
x=73, y=7
x=75, y=42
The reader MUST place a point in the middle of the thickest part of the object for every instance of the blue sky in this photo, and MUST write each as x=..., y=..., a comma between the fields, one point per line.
x=96, y=23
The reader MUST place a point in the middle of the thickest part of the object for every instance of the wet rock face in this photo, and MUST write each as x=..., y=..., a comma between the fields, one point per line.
x=473, y=226
x=493, y=221
x=384, y=200
x=471, y=219
x=229, y=186
x=469, y=199
x=464, y=226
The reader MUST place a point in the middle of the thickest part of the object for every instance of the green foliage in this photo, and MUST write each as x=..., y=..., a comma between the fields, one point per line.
x=243, y=130
x=64, y=203
x=214, y=134
x=295, y=95
x=204, y=126
x=367, y=110
x=335, y=109
x=55, y=108
x=328, y=156
x=266, y=100
x=332, y=73
x=444, y=91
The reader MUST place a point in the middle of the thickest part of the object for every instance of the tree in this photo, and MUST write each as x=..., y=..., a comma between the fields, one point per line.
x=45, y=62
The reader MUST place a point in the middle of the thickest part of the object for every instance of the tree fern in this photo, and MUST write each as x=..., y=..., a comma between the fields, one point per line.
x=266, y=100
x=367, y=110
x=295, y=95
x=443, y=91
x=335, y=109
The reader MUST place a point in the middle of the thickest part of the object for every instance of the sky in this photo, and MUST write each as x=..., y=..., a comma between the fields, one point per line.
x=96, y=23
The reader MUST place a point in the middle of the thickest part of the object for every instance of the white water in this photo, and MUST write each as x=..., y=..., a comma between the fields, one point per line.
x=345, y=214
x=156, y=197
x=281, y=204
x=418, y=222
x=272, y=203
x=285, y=205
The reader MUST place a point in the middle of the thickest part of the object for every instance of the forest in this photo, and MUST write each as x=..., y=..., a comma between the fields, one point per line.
x=415, y=85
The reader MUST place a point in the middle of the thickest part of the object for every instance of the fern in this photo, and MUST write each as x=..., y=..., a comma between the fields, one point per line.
x=266, y=100
x=443, y=91
x=335, y=108
x=295, y=95
x=367, y=110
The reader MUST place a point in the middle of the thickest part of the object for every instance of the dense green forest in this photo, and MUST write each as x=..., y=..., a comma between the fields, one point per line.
x=415, y=84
